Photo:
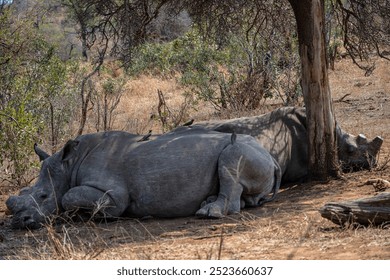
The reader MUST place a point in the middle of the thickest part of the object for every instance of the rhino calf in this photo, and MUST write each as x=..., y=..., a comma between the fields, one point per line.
x=185, y=172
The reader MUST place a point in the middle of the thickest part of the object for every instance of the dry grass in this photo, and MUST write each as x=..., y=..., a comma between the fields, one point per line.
x=288, y=228
x=138, y=108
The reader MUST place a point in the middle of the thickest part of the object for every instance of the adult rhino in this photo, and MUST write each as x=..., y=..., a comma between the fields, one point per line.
x=114, y=174
x=283, y=133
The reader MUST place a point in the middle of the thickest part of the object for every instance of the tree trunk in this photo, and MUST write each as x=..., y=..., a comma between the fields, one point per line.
x=321, y=122
x=85, y=95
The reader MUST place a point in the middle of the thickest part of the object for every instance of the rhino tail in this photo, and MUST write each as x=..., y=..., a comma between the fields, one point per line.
x=277, y=183
x=233, y=139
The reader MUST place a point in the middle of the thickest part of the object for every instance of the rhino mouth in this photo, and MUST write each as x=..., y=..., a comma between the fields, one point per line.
x=25, y=222
x=28, y=219
x=354, y=166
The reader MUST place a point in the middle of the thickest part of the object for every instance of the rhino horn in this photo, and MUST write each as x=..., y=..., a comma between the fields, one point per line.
x=361, y=139
x=41, y=153
x=376, y=144
x=12, y=203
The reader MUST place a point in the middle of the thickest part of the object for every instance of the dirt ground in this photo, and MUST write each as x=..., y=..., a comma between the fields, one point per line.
x=288, y=228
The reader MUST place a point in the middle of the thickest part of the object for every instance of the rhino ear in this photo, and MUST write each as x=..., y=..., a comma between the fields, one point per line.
x=41, y=153
x=376, y=144
x=361, y=139
x=69, y=149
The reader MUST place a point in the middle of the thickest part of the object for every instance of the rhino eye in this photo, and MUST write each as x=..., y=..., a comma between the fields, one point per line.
x=43, y=196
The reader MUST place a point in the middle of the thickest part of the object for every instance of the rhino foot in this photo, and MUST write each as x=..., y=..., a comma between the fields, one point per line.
x=99, y=204
x=208, y=200
x=211, y=210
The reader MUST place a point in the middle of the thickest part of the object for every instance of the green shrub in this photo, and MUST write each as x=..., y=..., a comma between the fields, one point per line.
x=36, y=97
x=19, y=129
x=234, y=76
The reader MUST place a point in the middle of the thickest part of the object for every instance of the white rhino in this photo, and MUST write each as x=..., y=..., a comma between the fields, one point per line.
x=283, y=133
x=185, y=172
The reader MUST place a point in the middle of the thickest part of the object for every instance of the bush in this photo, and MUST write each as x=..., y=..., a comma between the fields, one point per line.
x=35, y=95
x=18, y=133
x=238, y=75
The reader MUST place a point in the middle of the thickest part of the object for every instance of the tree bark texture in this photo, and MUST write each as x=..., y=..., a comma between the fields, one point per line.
x=321, y=122
x=370, y=211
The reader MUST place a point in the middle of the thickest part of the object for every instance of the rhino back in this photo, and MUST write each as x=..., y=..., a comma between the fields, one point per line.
x=172, y=175
x=282, y=132
x=102, y=156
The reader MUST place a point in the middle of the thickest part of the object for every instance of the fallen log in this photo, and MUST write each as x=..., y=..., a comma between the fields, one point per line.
x=374, y=211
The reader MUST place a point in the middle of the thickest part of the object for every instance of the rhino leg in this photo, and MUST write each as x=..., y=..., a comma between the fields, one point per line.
x=91, y=200
x=228, y=200
x=229, y=197
x=247, y=175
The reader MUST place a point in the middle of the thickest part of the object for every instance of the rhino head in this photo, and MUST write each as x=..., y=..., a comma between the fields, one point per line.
x=357, y=152
x=32, y=207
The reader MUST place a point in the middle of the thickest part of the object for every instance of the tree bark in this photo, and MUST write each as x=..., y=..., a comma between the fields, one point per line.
x=321, y=123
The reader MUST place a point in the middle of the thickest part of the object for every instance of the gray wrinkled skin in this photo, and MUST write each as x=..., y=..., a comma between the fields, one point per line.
x=356, y=152
x=283, y=133
x=185, y=172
